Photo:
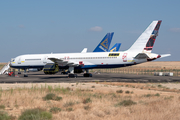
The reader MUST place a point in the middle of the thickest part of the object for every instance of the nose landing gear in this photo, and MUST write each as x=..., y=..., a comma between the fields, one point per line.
x=25, y=74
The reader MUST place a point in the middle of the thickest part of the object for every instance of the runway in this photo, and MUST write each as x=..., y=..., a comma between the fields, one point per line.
x=40, y=77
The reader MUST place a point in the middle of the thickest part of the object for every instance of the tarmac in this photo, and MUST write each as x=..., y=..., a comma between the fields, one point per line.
x=40, y=77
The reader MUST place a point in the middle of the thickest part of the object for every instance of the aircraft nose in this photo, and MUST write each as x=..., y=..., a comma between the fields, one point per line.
x=11, y=62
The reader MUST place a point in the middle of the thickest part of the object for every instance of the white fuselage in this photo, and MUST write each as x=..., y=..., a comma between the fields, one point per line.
x=89, y=60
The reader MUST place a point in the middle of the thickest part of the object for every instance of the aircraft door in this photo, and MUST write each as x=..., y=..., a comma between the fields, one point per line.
x=19, y=61
x=45, y=59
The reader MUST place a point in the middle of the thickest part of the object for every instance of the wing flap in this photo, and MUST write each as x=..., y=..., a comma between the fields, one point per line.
x=63, y=62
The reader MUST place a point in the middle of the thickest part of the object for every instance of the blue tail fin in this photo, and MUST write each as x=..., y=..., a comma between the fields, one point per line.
x=105, y=43
x=115, y=47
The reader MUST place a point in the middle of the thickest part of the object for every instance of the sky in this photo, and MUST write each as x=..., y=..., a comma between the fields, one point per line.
x=63, y=26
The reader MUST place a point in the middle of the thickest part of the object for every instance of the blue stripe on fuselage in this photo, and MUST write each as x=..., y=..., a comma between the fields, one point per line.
x=79, y=67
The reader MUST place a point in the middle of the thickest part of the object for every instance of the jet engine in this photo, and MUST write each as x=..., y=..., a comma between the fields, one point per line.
x=51, y=68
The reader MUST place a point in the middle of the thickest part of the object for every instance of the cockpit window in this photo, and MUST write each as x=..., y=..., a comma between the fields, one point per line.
x=12, y=59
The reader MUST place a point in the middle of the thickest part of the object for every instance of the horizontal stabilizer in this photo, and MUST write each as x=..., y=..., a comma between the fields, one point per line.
x=165, y=55
x=141, y=56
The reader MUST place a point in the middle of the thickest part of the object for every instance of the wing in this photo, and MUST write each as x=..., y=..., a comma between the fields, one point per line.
x=62, y=62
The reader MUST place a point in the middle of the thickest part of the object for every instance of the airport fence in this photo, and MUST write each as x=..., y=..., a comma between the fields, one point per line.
x=137, y=71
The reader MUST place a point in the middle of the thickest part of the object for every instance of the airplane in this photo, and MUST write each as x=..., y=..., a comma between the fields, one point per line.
x=116, y=47
x=139, y=52
x=103, y=46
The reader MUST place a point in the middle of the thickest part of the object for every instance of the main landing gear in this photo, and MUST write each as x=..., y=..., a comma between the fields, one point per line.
x=25, y=74
x=87, y=74
x=19, y=72
x=71, y=74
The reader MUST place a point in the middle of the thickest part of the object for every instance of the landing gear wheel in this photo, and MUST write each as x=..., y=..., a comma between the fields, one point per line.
x=63, y=73
x=87, y=75
x=72, y=75
x=25, y=75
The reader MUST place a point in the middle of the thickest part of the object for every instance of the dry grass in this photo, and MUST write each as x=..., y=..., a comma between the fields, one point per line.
x=2, y=65
x=165, y=87
x=101, y=102
x=147, y=68
x=160, y=64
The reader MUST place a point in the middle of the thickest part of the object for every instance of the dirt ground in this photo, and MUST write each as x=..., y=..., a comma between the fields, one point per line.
x=151, y=100
x=160, y=64
x=105, y=87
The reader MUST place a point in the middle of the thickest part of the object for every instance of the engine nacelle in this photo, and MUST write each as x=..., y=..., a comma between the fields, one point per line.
x=51, y=68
